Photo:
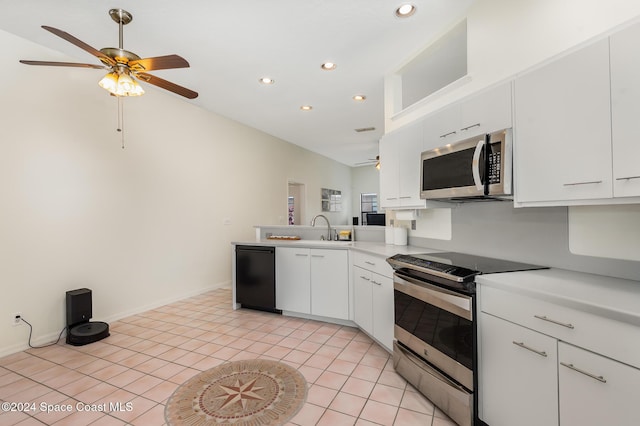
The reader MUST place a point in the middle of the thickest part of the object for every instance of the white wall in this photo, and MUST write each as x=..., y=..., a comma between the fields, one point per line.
x=139, y=226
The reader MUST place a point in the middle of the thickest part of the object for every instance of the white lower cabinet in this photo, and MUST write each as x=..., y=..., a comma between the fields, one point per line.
x=313, y=281
x=330, y=283
x=363, y=298
x=373, y=297
x=293, y=280
x=518, y=376
x=595, y=390
x=532, y=371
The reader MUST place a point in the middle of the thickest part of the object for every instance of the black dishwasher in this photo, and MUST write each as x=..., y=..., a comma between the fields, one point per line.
x=256, y=277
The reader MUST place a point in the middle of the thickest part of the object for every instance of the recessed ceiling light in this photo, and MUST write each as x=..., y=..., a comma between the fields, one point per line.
x=266, y=80
x=328, y=66
x=405, y=10
x=306, y=107
x=359, y=98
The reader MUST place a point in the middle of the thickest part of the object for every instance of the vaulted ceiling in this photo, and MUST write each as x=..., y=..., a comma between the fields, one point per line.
x=230, y=45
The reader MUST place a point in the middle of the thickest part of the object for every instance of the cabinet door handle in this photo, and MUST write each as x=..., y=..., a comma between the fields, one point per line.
x=628, y=178
x=370, y=263
x=593, y=182
x=470, y=127
x=564, y=324
x=405, y=197
x=317, y=255
x=365, y=278
x=303, y=255
x=376, y=282
x=529, y=348
x=392, y=198
x=586, y=373
x=447, y=134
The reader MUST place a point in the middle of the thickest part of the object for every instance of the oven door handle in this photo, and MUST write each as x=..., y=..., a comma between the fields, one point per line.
x=457, y=304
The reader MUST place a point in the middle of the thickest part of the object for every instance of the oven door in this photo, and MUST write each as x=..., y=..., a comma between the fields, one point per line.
x=436, y=324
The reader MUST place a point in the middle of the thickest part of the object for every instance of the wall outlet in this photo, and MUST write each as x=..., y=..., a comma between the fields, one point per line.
x=16, y=319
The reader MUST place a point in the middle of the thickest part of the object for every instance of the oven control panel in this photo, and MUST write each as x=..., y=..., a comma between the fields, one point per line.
x=452, y=272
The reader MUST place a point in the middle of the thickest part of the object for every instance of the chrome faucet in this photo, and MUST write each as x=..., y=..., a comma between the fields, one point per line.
x=313, y=223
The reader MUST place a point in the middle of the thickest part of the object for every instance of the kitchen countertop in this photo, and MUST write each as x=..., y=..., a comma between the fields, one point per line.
x=380, y=249
x=613, y=298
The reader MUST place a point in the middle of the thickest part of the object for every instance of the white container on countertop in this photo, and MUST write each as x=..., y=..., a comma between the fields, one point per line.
x=388, y=234
x=400, y=236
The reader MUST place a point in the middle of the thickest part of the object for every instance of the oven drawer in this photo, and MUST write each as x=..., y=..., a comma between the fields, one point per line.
x=372, y=263
x=608, y=337
x=451, y=397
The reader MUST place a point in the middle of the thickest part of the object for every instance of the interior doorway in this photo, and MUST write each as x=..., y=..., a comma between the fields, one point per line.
x=295, y=203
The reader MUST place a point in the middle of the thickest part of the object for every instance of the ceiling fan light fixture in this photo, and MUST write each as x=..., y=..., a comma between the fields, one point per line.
x=121, y=84
x=109, y=82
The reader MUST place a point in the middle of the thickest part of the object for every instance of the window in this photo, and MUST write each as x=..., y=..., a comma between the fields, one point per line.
x=368, y=204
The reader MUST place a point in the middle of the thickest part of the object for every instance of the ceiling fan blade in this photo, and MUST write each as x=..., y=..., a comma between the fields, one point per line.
x=167, y=85
x=159, y=63
x=63, y=64
x=81, y=44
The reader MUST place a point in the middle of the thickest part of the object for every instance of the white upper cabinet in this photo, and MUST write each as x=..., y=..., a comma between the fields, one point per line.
x=625, y=109
x=484, y=112
x=563, y=129
x=400, y=168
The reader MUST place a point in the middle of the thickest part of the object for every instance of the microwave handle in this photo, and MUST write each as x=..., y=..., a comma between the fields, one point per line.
x=475, y=165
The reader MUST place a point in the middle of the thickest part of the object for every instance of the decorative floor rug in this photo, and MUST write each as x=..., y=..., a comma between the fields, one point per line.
x=239, y=393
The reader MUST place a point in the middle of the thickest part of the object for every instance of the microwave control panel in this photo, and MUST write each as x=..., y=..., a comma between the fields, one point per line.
x=495, y=163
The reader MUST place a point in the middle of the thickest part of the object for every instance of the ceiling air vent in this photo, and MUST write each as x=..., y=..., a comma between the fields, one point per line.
x=365, y=129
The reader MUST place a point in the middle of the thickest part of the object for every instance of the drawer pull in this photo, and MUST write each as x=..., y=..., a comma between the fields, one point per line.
x=365, y=278
x=447, y=134
x=593, y=376
x=370, y=263
x=593, y=182
x=628, y=178
x=470, y=127
x=564, y=324
x=522, y=345
x=303, y=255
x=376, y=282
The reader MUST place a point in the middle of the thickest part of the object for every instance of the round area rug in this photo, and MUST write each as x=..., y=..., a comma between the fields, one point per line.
x=239, y=393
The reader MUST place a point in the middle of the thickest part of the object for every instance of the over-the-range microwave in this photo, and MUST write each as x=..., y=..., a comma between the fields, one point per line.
x=475, y=169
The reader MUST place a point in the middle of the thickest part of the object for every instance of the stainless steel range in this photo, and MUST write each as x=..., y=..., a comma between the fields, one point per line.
x=435, y=326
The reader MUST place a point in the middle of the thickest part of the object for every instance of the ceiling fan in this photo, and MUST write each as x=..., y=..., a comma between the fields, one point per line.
x=124, y=67
x=375, y=161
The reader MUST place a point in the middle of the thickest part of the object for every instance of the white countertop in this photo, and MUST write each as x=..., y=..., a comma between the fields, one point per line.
x=609, y=297
x=380, y=249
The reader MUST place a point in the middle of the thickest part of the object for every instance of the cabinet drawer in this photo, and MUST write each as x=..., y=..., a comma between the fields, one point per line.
x=377, y=264
x=609, y=337
x=516, y=361
x=595, y=390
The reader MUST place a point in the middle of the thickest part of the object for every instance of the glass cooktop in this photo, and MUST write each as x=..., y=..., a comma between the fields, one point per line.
x=457, y=266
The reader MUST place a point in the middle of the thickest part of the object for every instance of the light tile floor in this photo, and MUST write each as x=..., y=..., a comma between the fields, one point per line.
x=128, y=377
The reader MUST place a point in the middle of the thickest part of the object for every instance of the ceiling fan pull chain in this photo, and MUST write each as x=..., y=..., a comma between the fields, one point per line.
x=120, y=119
